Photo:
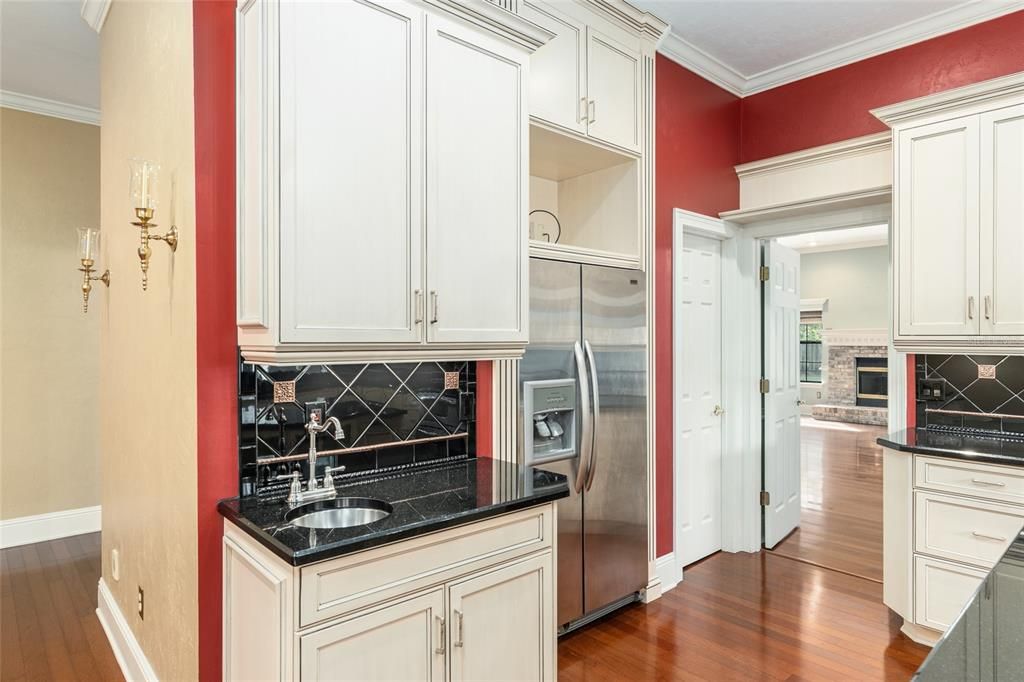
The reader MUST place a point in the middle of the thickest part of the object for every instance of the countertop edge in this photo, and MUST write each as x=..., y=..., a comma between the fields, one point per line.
x=987, y=457
x=397, y=535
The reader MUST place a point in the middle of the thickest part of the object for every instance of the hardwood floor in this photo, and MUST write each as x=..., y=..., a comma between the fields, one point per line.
x=841, y=514
x=748, y=617
x=48, y=624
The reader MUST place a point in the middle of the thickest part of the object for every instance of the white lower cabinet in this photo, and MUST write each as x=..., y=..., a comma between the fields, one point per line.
x=475, y=602
x=942, y=588
x=403, y=640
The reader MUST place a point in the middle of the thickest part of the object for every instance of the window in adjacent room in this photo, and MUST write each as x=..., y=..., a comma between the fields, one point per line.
x=810, y=347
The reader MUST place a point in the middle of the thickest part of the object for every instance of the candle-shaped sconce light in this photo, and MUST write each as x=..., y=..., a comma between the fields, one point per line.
x=142, y=190
x=88, y=254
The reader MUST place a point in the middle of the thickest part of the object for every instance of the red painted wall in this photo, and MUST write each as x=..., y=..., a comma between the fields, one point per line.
x=696, y=147
x=216, y=359
x=484, y=408
x=835, y=105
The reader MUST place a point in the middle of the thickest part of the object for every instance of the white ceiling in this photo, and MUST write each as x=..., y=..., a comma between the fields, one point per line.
x=838, y=240
x=49, y=53
x=751, y=45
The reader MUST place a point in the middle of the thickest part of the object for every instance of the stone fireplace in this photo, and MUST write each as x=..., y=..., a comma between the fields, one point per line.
x=856, y=381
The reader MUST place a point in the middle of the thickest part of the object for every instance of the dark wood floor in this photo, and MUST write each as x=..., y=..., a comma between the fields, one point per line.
x=841, y=512
x=748, y=617
x=48, y=624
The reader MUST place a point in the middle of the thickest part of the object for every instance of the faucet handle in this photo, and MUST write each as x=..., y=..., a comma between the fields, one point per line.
x=329, y=475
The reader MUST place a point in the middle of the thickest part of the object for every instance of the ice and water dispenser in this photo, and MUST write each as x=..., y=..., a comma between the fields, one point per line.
x=549, y=411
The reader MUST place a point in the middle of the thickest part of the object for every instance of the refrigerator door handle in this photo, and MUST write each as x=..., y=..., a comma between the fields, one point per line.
x=586, y=419
x=595, y=407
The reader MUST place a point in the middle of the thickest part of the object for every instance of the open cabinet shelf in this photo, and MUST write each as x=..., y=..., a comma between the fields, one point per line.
x=594, y=192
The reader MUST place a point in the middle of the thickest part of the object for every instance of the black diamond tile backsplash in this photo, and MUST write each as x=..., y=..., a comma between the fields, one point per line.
x=383, y=408
x=972, y=400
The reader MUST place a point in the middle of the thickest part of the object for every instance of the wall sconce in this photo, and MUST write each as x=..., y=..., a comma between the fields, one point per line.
x=142, y=189
x=88, y=251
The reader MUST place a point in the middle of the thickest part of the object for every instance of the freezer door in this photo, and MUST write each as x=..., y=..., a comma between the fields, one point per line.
x=615, y=494
x=555, y=319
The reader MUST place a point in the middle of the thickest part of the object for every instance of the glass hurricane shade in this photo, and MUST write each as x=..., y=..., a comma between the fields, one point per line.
x=142, y=183
x=88, y=243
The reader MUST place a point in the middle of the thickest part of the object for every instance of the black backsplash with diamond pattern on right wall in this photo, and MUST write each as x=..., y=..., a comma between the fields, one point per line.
x=994, y=405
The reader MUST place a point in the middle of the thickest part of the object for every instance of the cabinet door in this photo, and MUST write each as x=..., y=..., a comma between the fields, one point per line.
x=351, y=154
x=557, y=92
x=501, y=625
x=402, y=641
x=937, y=230
x=941, y=590
x=613, y=86
x=477, y=135
x=1002, y=221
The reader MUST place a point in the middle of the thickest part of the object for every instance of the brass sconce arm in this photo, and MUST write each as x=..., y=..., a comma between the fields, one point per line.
x=88, y=278
x=145, y=215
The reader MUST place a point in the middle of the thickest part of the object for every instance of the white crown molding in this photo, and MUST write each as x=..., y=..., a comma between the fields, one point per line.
x=855, y=337
x=701, y=63
x=968, y=95
x=130, y=656
x=931, y=26
x=49, y=107
x=822, y=154
x=26, y=530
x=94, y=12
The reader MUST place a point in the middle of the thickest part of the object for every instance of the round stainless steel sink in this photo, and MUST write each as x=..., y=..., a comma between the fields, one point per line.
x=340, y=512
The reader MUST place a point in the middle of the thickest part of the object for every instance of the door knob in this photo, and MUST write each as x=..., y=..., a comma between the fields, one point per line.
x=718, y=411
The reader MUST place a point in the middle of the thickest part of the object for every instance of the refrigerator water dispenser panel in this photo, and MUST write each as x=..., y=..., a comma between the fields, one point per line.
x=550, y=410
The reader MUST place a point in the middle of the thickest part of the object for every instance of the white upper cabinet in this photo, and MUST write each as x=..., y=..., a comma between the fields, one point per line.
x=382, y=175
x=558, y=71
x=477, y=129
x=585, y=80
x=351, y=174
x=958, y=218
x=1002, y=221
x=613, y=84
x=938, y=228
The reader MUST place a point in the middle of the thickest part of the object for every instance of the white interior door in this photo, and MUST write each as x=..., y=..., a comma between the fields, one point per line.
x=782, y=401
x=698, y=398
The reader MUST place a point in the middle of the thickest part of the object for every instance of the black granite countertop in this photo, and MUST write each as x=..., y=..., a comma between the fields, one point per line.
x=426, y=498
x=987, y=640
x=980, y=448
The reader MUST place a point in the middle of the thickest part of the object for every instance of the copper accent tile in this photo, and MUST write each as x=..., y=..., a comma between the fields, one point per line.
x=284, y=391
x=451, y=380
x=986, y=371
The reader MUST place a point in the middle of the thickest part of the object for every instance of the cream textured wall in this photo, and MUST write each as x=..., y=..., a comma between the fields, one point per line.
x=49, y=430
x=855, y=282
x=148, y=339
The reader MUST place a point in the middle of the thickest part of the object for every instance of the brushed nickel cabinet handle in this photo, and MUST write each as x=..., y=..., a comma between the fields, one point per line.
x=994, y=484
x=418, y=306
x=583, y=110
x=433, y=307
x=458, y=628
x=970, y=307
x=988, y=307
x=593, y=112
x=986, y=536
x=441, y=636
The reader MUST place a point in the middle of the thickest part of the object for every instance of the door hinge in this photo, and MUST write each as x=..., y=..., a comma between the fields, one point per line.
x=765, y=498
x=765, y=386
x=764, y=273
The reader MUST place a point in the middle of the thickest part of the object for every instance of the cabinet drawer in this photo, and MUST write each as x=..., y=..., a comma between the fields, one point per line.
x=1004, y=484
x=340, y=585
x=962, y=529
x=942, y=590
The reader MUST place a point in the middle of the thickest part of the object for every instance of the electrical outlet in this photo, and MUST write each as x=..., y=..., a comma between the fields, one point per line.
x=319, y=408
x=142, y=603
x=115, y=564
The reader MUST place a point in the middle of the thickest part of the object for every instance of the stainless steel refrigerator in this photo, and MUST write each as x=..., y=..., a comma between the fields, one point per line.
x=588, y=323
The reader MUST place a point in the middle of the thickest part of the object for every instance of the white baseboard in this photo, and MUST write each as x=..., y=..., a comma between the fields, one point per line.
x=668, y=572
x=25, y=530
x=129, y=655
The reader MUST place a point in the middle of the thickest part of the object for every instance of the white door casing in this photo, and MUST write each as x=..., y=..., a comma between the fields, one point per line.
x=782, y=401
x=333, y=54
x=1002, y=221
x=936, y=209
x=698, y=408
x=477, y=141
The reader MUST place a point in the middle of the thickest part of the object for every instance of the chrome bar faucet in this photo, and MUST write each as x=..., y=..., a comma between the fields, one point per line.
x=313, y=428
